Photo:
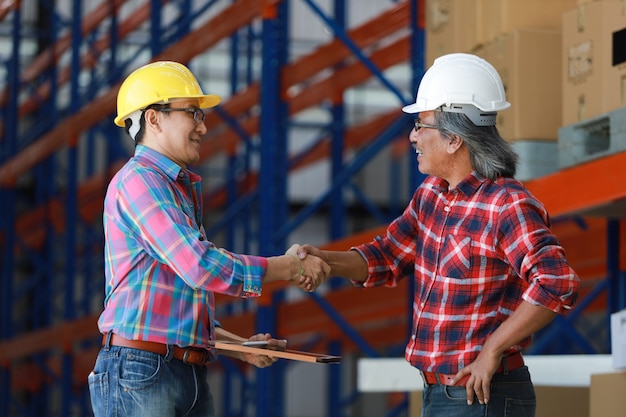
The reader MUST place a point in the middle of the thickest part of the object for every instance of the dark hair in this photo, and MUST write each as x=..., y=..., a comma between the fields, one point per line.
x=142, y=122
x=490, y=155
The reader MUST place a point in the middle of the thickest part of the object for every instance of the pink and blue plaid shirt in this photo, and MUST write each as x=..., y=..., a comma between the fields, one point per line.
x=474, y=252
x=161, y=271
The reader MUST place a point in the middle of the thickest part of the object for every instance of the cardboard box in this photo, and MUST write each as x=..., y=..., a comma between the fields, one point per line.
x=593, y=60
x=451, y=26
x=618, y=339
x=528, y=62
x=606, y=395
x=562, y=401
x=415, y=403
x=502, y=16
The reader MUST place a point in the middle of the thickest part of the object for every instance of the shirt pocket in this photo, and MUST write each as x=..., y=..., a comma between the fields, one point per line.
x=456, y=257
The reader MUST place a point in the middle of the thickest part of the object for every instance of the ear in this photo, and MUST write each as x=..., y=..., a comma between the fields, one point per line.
x=454, y=143
x=153, y=121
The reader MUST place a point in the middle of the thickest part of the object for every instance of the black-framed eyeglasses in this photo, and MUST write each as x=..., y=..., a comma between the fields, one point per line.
x=198, y=114
x=419, y=125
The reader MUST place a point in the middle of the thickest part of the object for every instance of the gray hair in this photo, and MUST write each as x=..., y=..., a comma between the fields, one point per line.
x=490, y=155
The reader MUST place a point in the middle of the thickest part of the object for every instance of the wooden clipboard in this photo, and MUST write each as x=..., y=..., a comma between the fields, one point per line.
x=284, y=354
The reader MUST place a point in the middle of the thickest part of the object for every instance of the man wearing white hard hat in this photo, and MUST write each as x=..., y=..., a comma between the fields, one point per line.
x=488, y=270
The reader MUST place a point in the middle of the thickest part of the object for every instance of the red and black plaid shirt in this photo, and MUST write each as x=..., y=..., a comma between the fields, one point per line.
x=475, y=252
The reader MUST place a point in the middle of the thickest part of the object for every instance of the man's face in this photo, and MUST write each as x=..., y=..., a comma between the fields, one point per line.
x=179, y=135
x=430, y=146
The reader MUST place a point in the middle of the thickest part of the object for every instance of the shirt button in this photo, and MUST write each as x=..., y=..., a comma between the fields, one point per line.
x=446, y=208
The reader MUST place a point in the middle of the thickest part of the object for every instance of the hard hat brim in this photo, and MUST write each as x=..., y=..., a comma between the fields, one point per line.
x=414, y=108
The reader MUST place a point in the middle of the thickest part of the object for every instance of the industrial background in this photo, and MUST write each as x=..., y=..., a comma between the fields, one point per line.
x=309, y=145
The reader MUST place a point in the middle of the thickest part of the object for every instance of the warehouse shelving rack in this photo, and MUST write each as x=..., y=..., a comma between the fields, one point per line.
x=56, y=118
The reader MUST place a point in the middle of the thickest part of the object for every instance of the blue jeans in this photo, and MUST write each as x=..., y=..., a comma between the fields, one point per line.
x=131, y=382
x=512, y=395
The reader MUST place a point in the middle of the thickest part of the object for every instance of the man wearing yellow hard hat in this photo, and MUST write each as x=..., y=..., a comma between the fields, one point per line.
x=161, y=270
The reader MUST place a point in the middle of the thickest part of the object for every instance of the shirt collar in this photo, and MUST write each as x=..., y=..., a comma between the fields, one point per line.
x=160, y=161
x=468, y=186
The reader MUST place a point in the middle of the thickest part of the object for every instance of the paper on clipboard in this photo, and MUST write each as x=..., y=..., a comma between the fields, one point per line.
x=284, y=354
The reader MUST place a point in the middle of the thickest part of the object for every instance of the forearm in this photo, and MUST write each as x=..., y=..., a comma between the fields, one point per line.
x=221, y=334
x=526, y=320
x=225, y=335
x=283, y=267
x=348, y=264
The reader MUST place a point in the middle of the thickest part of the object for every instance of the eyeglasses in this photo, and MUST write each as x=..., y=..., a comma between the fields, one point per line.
x=198, y=114
x=419, y=126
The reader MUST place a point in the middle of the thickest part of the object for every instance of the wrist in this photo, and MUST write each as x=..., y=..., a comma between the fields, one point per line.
x=300, y=269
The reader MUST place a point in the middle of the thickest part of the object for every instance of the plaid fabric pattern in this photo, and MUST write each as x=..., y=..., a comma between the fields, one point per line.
x=161, y=271
x=474, y=252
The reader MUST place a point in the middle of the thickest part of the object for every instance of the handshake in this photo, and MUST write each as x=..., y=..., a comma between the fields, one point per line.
x=312, y=267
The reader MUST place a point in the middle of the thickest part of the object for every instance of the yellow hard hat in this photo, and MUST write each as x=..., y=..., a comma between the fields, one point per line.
x=159, y=82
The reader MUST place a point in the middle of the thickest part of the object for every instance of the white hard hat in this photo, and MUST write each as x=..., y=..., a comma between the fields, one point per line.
x=461, y=83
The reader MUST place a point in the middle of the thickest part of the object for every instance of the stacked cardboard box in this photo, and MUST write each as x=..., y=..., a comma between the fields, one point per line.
x=594, y=60
x=522, y=39
x=594, y=82
x=528, y=62
x=452, y=26
x=465, y=25
x=606, y=395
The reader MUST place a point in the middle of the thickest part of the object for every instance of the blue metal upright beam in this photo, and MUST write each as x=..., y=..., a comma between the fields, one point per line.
x=337, y=206
x=616, y=292
x=8, y=145
x=417, y=72
x=337, y=210
x=273, y=122
x=273, y=181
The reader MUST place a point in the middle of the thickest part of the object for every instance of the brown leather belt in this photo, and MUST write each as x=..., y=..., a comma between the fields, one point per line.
x=189, y=355
x=508, y=363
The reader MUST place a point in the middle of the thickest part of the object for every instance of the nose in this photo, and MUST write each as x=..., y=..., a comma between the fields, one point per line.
x=413, y=136
x=201, y=127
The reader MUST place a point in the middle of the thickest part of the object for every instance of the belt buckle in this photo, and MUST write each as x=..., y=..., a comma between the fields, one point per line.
x=186, y=356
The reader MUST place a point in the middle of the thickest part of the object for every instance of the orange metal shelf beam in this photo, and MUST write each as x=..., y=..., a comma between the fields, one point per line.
x=350, y=75
x=30, y=225
x=85, y=328
x=88, y=60
x=51, y=55
x=8, y=6
x=244, y=102
x=236, y=15
x=354, y=137
x=333, y=53
x=379, y=314
x=585, y=189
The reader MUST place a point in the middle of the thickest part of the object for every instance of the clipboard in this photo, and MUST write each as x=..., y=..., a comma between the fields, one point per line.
x=284, y=354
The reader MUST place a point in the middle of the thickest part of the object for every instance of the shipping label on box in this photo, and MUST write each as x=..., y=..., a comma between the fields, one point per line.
x=618, y=339
x=579, y=60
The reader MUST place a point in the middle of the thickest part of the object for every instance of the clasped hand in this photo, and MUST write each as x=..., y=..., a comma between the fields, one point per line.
x=316, y=270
